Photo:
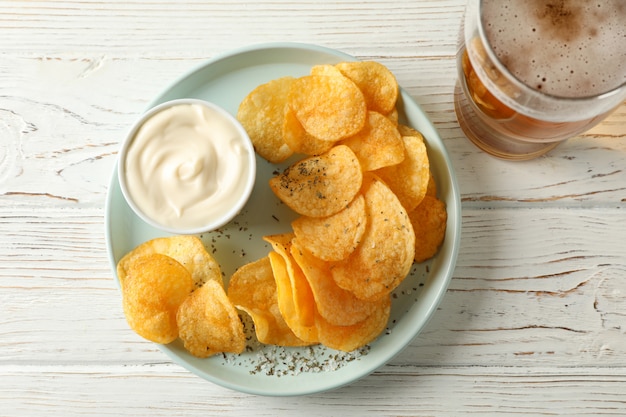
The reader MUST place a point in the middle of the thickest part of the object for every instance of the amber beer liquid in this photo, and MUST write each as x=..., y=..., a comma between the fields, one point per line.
x=534, y=73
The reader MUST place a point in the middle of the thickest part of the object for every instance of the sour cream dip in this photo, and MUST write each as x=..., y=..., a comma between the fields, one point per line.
x=187, y=166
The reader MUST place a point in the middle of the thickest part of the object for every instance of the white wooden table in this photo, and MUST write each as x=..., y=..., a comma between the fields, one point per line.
x=533, y=322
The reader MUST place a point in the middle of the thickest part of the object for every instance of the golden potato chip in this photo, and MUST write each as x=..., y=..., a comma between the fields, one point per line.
x=329, y=108
x=326, y=69
x=280, y=242
x=378, y=84
x=393, y=116
x=408, y=131
x=337, y=306
x=385, y=255
x=320, y=186
x=300, y=289
x=303, y=328
x=154, y=287
x=261, y=113
x=378, y=144
x=349, y=338
x=208, y=322
x=431, y=190
x=429, y=223
x=252, y=288
x=188, y=250
x=335, y=237
x=299, y=140
x=409, y=179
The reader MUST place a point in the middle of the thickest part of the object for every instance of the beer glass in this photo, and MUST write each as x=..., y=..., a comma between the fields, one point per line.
x=533, y=73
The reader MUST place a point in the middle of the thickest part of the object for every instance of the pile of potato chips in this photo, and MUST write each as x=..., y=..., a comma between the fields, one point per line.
x=172, y=287
x=368, y=209
x=366, y=199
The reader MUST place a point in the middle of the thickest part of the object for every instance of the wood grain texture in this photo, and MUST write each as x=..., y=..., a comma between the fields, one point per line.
x=533, y=322
x=417, y=391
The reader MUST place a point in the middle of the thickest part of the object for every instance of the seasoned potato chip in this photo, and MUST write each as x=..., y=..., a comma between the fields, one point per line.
x=429, y=222
x=186, y=249
x=348, y=338
x=280, y=242
x=261, y=113
x=320, y=186
x=290, y=309
x=378, y=144
x=154, y=287
x=252, y=288
x=409, y=179
x=299, y=140
x=208, y=322
x=329, y=108
x=335, y=237
x=385, y=255
x=378, y=84
x=337, y=306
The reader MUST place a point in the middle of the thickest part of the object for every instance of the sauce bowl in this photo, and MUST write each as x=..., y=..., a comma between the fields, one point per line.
x=187, y=166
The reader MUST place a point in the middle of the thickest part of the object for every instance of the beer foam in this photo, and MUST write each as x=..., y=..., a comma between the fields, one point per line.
x=567, y=48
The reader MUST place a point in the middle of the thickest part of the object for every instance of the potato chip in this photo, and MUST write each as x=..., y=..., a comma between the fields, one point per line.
x=155, y=286
x=329, y=108
x=337, y=306
x=378, y=144
x=349, y=338
x=280, y=242
x=408, y=131
x=335, y=237
x=385, y=255
x=393, y=116
x=409, y=179
x=261, y=113
x=378, y=84
x=186, y=249
x=326, y=69
x=431, y=190
x=208, y=322
x=290, y=309
x=429, y=223
x=320, y=186
x=299, y=140
x=301, y=292
x=252, y=288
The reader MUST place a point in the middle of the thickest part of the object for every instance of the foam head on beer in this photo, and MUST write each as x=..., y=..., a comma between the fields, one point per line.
x=564, y=48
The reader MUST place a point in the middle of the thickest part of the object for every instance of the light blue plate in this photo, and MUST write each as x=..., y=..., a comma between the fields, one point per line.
x=267, y=370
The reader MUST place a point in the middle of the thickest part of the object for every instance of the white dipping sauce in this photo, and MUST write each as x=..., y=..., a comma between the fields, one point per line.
x=187, y=165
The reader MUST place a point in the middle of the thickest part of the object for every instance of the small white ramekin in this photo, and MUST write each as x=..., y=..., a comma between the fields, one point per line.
x=212, y=222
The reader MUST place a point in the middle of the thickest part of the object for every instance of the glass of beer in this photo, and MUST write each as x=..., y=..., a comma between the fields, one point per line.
x=533, y=73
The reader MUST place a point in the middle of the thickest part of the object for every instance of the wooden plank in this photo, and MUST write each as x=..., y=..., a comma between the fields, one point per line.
x=107, y=27
x=160, y=390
